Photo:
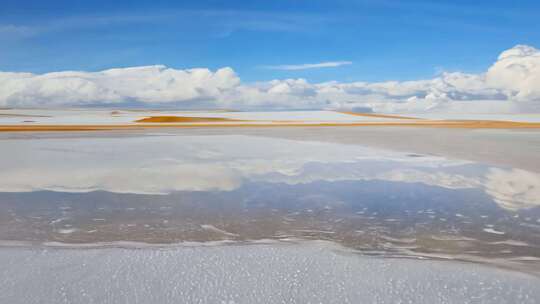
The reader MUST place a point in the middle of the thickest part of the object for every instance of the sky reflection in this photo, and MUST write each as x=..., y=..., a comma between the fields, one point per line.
x=165, y=164
x=174, y=188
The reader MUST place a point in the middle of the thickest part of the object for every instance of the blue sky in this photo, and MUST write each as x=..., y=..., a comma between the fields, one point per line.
x=384, y=40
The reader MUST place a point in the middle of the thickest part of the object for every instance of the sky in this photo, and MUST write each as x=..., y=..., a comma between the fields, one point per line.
x=372, y=41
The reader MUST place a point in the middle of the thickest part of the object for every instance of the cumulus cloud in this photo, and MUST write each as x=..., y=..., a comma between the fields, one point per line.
x=517, y=73
x=307, y=66
x=511, y=84
x=514, y=189
x=147, y=84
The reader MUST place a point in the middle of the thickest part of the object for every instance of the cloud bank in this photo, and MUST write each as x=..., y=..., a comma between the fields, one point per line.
x=511, y=84
x=307, y=66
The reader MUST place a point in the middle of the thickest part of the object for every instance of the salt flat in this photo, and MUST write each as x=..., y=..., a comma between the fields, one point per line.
x=522, y=117
x=249, y=184
x=312, y=272
x=104, y=116
x=117, y=118
x=106, y=216
x=514, y=148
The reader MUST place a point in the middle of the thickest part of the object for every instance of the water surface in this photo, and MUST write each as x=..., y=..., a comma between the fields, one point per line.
x=165, y=188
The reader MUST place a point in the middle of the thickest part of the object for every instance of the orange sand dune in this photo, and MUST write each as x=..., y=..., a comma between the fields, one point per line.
x=468, y=124
x=170, y=119
x=377, y=115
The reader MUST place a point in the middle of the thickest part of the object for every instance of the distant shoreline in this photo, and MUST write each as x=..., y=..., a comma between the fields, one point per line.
x=464, y=124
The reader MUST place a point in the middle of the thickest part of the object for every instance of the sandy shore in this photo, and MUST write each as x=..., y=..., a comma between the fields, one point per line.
x=376, y=115
x=472, y=124
x=182, y=119
x=95, y=120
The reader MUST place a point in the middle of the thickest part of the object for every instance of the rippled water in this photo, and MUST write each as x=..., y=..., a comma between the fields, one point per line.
x=170, y=188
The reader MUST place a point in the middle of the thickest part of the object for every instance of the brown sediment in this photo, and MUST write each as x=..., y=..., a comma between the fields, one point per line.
x=377, y=115
x=481, y=124
x=465, y=124
x=171, y=119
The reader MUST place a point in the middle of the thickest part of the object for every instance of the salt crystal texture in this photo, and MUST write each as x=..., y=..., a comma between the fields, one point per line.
x=315, y=272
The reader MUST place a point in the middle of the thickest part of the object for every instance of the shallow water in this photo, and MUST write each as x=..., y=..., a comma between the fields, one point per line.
x=170, y=188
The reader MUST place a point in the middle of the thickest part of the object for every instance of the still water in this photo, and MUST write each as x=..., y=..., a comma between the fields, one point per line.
x=167, y=188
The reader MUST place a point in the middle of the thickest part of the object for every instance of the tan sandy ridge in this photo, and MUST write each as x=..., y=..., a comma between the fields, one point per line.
x=182, y=119
x=470, y=124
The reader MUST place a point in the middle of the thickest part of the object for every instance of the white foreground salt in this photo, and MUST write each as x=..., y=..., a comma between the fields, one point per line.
x=313, y=272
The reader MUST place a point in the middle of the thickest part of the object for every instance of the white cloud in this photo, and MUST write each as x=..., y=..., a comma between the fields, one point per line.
x=147, y=84
x=514, y=189
x=307, y=66
x=517, y=73
x=437, y=178
x=511, y=84
x=159, y=165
